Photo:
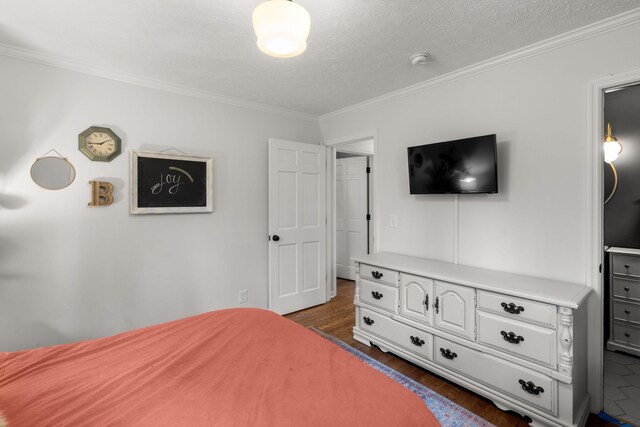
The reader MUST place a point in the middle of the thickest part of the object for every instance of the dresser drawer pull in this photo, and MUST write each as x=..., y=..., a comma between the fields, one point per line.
x=627, y=334
x=511, y=337
x=437, y=305
x=511, y=308
x=448, y=354
x=530, y=387
x=627, y=266
x=417, y=341
x=628, y=311
x=426, y=302
x=368, y=321
x=376, y=294
x=626, y=288
x=377, y=274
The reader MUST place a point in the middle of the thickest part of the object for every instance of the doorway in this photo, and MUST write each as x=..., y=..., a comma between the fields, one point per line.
x=621, y=279
x=352, y=211
x=595, y=261
x=351, y=228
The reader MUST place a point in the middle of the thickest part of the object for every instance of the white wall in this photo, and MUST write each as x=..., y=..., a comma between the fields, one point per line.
x=70, y=272
x=538, y=109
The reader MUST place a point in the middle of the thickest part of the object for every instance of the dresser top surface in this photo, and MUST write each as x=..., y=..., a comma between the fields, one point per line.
x=625, y=251
x=546, y=290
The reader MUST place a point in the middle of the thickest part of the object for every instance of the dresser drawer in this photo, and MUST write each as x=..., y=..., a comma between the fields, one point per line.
x=626, y=265
x=412, y=339
x=498, y=374
x=379, y=295
x=521, y=339
x=626, y=334
x=518, y=308
x=378, y=274
x=626, y=311
x=626, y=288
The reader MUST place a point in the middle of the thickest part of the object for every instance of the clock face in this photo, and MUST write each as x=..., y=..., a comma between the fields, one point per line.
x=99, y=144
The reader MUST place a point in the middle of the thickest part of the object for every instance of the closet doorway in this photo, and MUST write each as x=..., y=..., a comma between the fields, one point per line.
x=352, y=211
x=351, y=224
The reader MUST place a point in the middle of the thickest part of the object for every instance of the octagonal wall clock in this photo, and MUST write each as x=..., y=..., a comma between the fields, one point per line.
x=99, y=144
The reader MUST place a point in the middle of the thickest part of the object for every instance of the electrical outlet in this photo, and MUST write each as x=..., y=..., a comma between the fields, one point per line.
x=393, y=221
x=243, y=296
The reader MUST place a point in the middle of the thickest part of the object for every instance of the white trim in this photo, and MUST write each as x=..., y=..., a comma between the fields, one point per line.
x=76, y=66
x=614, y=23
x=456, y=229
x=595, y=227
x=361, y=136
x=355, y=151
x=331, y=145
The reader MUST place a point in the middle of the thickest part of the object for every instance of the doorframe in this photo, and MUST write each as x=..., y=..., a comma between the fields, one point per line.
x=595, y=229
x=332, y=145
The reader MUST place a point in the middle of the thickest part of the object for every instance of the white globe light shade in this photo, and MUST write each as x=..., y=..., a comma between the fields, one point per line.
x=282, y=27
x=611, y=150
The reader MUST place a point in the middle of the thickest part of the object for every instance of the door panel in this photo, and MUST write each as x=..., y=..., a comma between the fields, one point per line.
x=416, y=295
x=310, y=266
x=311, y=204
x=287, y=192
x=455, y=309
x=297, y=212
x=286, y=270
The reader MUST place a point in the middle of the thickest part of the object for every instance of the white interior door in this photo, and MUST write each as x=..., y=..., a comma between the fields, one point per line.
x=351, y=213
x=297, y=225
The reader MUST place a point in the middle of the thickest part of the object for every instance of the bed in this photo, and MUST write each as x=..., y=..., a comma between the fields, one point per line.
x=234, y=367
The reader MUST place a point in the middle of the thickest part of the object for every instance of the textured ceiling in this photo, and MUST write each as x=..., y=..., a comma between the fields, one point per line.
x=357, y=49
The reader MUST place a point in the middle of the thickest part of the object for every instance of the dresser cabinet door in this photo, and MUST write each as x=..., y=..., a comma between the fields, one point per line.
x=416, y=297
x=454, y=308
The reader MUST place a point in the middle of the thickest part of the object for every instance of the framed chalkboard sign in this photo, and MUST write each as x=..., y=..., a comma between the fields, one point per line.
x=167, y=183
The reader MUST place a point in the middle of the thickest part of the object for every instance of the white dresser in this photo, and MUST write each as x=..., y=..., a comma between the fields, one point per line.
x=517, y=340
x=624, y=300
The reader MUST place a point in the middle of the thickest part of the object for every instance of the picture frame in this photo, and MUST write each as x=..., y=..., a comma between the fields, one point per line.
x=167, y=183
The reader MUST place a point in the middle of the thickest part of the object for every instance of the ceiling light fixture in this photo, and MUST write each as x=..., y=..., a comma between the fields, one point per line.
x=282, y=27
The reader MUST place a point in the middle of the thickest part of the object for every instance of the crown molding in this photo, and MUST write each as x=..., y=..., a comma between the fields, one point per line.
x=79, y=67
x=610, y=24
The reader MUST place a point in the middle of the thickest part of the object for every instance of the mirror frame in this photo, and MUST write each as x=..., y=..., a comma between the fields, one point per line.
x=72, y=168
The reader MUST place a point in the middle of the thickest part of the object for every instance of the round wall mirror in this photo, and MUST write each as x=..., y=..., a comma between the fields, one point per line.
x=52, y=173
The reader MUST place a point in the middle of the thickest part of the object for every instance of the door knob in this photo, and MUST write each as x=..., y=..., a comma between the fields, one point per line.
x=275, y=238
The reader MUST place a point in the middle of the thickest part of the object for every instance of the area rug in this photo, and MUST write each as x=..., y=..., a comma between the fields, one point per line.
x=449, y=414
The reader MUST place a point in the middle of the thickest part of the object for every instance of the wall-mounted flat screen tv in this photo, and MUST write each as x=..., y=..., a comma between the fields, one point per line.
x=458, y=167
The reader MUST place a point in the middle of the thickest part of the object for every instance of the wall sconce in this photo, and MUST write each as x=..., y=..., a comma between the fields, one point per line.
x=612, y=149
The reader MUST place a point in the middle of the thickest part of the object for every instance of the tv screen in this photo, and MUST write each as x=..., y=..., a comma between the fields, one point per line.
x=462, y=166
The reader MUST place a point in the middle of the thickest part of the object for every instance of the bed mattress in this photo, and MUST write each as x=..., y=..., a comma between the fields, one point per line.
x=235, y=367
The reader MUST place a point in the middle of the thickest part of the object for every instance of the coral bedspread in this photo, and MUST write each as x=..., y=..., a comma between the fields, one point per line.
x=236, y=367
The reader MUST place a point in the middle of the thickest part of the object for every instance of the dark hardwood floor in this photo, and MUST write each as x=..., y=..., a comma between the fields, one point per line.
x=337, y=318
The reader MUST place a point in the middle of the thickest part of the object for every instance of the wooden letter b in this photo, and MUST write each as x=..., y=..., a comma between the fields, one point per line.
x=101, y=193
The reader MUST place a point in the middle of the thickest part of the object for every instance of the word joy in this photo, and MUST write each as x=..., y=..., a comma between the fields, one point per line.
x=169, y=181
